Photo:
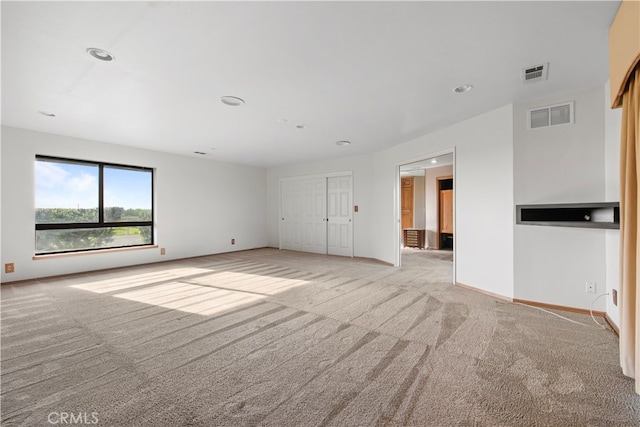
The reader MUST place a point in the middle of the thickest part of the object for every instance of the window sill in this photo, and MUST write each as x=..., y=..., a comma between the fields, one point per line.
x=96, y=252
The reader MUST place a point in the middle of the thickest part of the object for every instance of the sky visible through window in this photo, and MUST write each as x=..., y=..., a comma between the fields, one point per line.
x=75, y=186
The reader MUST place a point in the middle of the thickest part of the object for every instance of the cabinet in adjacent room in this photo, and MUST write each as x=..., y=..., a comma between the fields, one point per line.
x=413, y=238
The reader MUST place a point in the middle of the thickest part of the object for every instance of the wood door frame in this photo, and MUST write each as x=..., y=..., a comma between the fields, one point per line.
x=438, y=179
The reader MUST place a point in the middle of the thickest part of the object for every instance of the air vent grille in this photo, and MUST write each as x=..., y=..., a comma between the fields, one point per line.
x=535, y=73
x=552, y=115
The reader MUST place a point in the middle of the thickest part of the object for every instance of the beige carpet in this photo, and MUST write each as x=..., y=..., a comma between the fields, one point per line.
x=277, y=338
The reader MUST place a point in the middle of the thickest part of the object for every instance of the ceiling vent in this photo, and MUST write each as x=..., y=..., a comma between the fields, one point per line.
x=535, y=73
x=552, y=115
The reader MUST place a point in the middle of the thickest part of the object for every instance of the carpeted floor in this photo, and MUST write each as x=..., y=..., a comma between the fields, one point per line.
x=276, y=338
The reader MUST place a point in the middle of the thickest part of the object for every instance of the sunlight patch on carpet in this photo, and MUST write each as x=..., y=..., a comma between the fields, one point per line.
x=198, y=292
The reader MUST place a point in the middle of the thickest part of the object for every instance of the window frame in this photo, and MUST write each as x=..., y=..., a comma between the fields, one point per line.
x=101, y=223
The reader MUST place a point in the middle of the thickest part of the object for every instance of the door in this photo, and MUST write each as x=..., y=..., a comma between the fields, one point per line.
x=314, y=226
x=316, y=215
x=339, y=224
x=445, y=213
x=406, y=202
x=291, y=215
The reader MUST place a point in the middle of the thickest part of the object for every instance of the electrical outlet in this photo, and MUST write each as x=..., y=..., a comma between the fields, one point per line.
x=9, y=268
x=233, y=241
x=614, y=295
x=590, y=287
x=163, y=251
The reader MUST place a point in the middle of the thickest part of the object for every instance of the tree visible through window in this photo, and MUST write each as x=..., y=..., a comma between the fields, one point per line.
x=84, y=205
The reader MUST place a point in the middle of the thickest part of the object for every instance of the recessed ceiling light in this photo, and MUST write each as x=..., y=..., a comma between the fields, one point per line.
x=463, y=88
x=434, y=161
x=302, y=126
x=47, y=113
x=100, y=54
x=232, y=101
x=343, y=142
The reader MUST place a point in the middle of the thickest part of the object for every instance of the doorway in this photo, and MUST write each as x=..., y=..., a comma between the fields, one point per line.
x=426, y=208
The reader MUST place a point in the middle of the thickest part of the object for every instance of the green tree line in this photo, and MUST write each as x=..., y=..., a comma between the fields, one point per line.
x=64, y=240
x=70, y=215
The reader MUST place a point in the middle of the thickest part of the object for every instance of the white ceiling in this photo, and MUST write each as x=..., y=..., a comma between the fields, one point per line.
x=374, y=73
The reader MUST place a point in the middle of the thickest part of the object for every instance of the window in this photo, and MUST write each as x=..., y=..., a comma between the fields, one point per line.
x=83, y=206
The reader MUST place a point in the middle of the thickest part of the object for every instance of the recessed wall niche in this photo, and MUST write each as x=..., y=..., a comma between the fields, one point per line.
x=585, y=215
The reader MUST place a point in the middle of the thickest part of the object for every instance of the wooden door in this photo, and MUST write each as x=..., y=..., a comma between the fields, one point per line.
x=406, y=202
x=339, y=224
x=446, y=211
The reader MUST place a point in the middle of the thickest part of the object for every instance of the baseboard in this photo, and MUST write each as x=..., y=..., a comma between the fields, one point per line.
x=559, y=307
x=482, y=291
x=613, y=326
x=541, y=304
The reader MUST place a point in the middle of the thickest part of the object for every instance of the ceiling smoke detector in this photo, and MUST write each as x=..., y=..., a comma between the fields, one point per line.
x=232, y=101
x=535, y=73
x=100, y=54
x=462, y=89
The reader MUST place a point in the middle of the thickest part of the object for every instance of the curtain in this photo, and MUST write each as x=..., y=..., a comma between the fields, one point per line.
x=629, y=239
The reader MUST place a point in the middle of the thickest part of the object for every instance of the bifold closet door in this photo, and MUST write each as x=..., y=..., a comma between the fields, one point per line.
x=316, y=215
x=303, y=208
x=339, y=217
x=291, y=211
x=314, y=225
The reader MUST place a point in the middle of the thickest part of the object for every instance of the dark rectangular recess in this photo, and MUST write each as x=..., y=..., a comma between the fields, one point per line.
x=586, y=215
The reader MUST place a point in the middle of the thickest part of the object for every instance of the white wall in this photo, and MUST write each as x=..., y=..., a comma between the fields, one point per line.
x=612, y=130
x=483, y=196
x=431, y=190
x=498, y=164
x=200, y=205
x=560, y=164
